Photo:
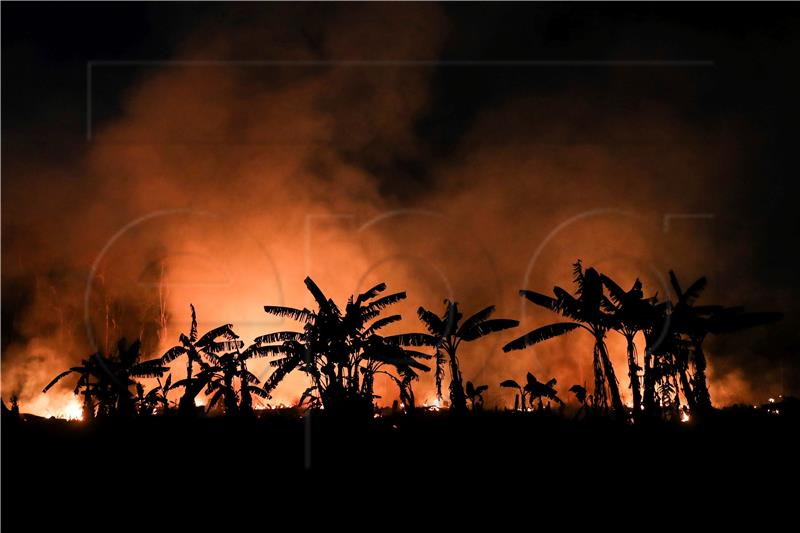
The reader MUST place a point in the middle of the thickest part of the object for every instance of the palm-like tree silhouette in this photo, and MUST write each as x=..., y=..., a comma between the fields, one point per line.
x=447, y=334
x=580, y=393
x=632, y=313
x=475, y=395
x=104, y=382
x=587, y=311
x=342, y=352
x=226, y=370
x=690, y=320
x=215, y=341
x=126, y=366
x=693, y=323
x=88, y=376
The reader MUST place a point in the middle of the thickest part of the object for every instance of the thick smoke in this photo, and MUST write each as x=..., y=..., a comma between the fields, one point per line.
x=224, y=184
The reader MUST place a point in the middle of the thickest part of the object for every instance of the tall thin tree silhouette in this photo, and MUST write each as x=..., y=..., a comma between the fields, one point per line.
x=587, y=311
x=448, y=332
x=694, y=322
x=215, y=341
x=630, y=313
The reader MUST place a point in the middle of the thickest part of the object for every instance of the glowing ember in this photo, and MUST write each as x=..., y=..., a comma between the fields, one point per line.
x=772, y=400
x=684, y=417
x=432, y=405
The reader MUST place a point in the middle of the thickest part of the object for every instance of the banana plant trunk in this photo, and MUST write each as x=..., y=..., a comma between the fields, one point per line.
x=186, y=404
x=611, y=378
x=88, y=406
x=649, y=383
x=599, y=392
x=458, y=399
x=633, y=374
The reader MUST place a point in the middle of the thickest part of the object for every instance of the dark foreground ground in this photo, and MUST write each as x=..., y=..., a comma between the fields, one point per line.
x=281, y=466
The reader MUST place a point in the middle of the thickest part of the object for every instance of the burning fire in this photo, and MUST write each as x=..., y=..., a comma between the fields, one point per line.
x=684, y=417
x=432, y=405
x=72, y=410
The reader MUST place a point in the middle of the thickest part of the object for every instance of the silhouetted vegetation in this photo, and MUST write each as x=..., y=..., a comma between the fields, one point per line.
x=448, y=332
x=342, y=350
x=531, y=395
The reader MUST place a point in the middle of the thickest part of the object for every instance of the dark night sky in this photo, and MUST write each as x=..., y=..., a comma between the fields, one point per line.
x=753, y=84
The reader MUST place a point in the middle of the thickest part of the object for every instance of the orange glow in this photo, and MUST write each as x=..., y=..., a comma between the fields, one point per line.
x=72, y=410
x=292, y=204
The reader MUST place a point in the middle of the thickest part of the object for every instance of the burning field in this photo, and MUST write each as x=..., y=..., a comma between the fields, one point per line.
x=483, y=227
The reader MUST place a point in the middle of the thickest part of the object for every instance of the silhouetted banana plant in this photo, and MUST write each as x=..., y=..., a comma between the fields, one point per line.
x=104, y=382
x=521, y=398
x=586, y=310
x=229, y=368
x=126, y=366
x=342, y=352
x=448, y=333
x=195, y=349
x=532, y=391
x=695, y=322
x=631, y=314
x=88, y=373
x=155, y=398
x=580, y=393
x=475, y=395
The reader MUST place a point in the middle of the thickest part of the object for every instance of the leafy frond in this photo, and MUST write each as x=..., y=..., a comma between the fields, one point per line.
x=254, y=351
x=540, y=299
x=300, y=315
x=172, y=354
x=153, y=368
x=412, y=339
x=380, y=323
x=287, y=365
x=694, y=290
x=541, y=334
x=382, y=303
x=475, y=319
x=579, y=392
x=279, y=336
x=615, y=291
x=223, y=346
x=676, y=286
x=322, y=301
x=567, y=304
x=371, y=293
x=431, y=320
x=193, y=330
x=57, y=379
x=225, y=331
x=510, y=384
x=258, y=391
